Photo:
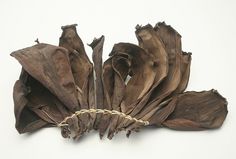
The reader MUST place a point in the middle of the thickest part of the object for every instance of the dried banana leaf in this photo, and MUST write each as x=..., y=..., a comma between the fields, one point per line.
x=168, y=34
x=172, y=42
x=130, y=59
x=198, y=111
x=81, y=66
x=35, y=106
x=137, y=86
x=115, y=70
x=151, y=43
x=97, y=46
x=120, y=65
x=185, y=72
x=142, y=71
x=108, y=83
x=26, y=120
x=50, y=65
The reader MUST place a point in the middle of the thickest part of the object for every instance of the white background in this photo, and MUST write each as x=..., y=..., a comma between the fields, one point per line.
x=208, y=30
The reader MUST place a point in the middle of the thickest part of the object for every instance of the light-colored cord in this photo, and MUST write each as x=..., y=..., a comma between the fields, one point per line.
x=102, y=111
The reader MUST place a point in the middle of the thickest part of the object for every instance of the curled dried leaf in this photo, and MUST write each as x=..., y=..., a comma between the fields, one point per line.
x=142, y=71
x=50, y=65
x=35, y=106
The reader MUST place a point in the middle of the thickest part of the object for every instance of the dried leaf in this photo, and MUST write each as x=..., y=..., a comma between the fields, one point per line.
x=142, y=71
x=35, y=106
x=97, y=46
x=136, y=86
x=172, y=42
x=26, y=120
x=50, y=65
x=197, y=111
x=151, y=43
x=81, y=66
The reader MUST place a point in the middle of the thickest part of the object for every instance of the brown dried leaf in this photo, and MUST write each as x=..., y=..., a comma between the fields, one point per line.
x=50, y=65
x=136, y=82
x=26, y=120
x=97, y=46
x=151, y=43
x=172, y=42
x=185, y=72
x=81, y=66
x=108, y=83
x=35, y=105
x=197, y=111
x=142, y=71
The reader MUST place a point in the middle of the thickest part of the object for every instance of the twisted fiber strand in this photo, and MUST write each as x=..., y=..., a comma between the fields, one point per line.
x=103, y=111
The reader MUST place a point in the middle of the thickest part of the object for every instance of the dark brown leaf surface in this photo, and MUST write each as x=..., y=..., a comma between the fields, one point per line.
x=197, y=111
x=50, y=65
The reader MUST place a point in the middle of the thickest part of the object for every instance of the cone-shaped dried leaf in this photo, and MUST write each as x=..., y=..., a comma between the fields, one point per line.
x=151, y=43
x=185, y=72
x=172, y=42
x=80, y=64
x=142, y=70
x=35, y=106
x=120, y=66
x=44, y=104
x=197, y=111
x=50, y=65
x=26, y=120
x=108, y=83
x=130, y=59
x=97, y=46
x=108, y=77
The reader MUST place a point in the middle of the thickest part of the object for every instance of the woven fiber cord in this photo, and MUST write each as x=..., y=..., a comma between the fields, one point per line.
x=102, y=111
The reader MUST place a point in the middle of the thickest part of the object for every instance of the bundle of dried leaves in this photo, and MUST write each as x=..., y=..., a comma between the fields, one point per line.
x=138, y=85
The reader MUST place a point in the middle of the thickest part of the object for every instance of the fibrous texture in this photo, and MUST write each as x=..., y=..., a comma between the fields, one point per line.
x=137, y=86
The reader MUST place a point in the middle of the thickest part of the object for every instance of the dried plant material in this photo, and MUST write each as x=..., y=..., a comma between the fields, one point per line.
x=137, y=86
x=142, y=71
x=97, y=46
x=197, y=111
x=151, y=42
x=78, y=57
x=35, y=106
x=50, y=65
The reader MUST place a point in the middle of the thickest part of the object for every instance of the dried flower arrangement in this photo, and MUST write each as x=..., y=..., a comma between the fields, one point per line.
x=137, y=86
